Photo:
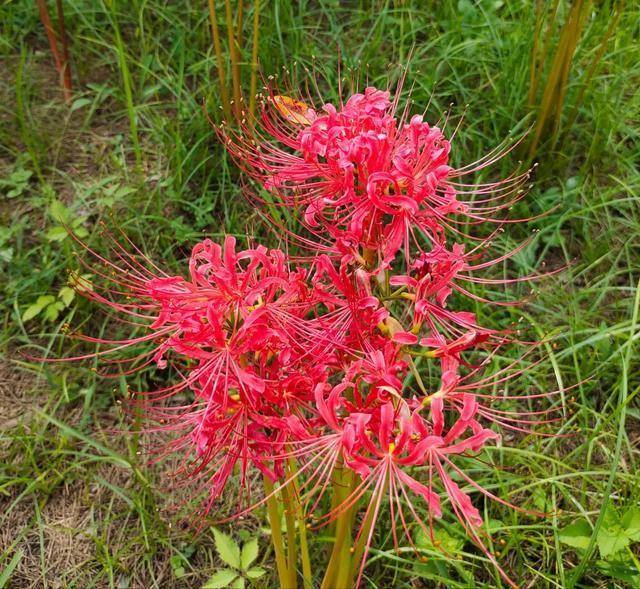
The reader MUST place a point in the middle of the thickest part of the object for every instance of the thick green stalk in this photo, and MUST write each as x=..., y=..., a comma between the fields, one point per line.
x=365, y=530
x=254, y=56
x=343, y=484
x=233, y=53
x=292, y=549
x=307, y=578
x=277, y=540
x=239, y=23
x=217, y=45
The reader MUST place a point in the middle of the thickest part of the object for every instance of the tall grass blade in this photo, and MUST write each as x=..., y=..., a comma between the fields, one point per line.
x=239, y=24
x=233, y=52
x=555, y=89
x=254, y=57
x=126, y=84
x=593, y=66
x=217, y=46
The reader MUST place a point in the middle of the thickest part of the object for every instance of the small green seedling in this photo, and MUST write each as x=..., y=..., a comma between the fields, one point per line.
x=239, y=560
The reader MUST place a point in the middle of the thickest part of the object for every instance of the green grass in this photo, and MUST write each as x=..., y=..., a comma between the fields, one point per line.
x=78, y=506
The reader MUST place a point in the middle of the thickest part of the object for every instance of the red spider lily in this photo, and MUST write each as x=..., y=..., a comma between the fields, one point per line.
x=302, y=367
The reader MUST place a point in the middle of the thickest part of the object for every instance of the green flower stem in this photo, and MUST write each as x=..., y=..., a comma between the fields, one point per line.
x=359, y=547
x=307, y=578
x=273, y=512
x=292, y=550
x=343, y=485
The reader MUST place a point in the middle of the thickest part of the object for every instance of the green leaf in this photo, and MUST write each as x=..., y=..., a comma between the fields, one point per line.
x=611, y=537
x=220, y=579
x=36, y=308
x=44, y=300
x=249, y=553
x=81, y=282
x=67, y=295
x=244, y=534
x=238, y=583
x=123, y=191
x=79, y=103
x=58, y=211
x=621, y=567
x=540, y=499
x=6, y=254
x=177, y=565
x=228, y=550
x=611, y=541
x=57, y=233
x=631, y=523
x=256, y=572
x=31, y=312
x=52, y=311
x=442, y=541
x=5, y=575
x=577, y=534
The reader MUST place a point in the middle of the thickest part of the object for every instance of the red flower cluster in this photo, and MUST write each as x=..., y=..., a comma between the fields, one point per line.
x=320, y=357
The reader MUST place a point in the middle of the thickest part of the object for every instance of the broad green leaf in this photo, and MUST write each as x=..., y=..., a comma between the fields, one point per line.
x=179, y=572
x=220, y=579
x=611, y=541
x=79, y=103
x=238, y=583
x=67, y=295
x=31, y=312
x=611, y=537
x=58, y=211
x=44, y=300
x=249, y=553
x=631, y=523
x=52, y=311
x=227, y=548
x=36, y=308
x=622, y=568
x=540, y=499
x=442, y=541
x=244, y=534
x=256, y=572
x=177, y=565
x=81, y=282
x=577, y=534
x=6, y=254
x=57, y=234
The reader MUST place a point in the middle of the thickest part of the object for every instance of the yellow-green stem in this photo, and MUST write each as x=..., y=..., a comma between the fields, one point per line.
x=254, y=56
x=292, y=550
x=307, y=578
x=277, y=540
x=343, y=485
x=233, y=52
x=215, y=33
x=360, y=545
x=239, y=16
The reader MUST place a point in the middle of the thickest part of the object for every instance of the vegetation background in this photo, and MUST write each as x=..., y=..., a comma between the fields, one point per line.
x=133, y=147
